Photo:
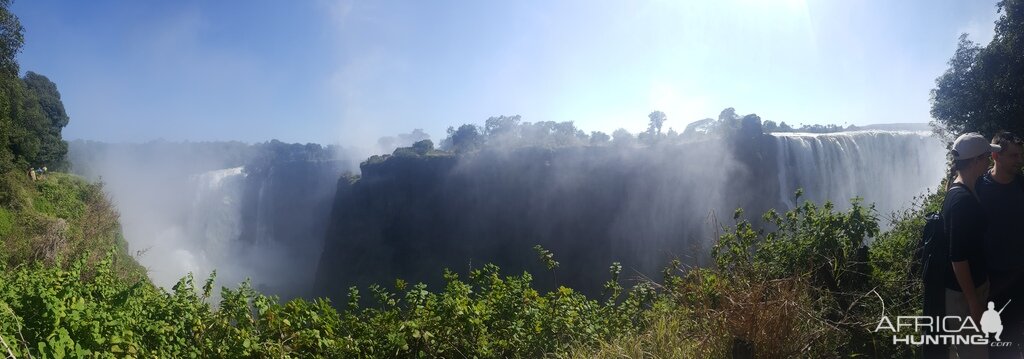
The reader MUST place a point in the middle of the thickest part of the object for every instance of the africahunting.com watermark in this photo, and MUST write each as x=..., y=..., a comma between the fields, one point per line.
x=946, y=330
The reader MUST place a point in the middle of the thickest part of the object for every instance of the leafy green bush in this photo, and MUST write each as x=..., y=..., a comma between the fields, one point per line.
x=810, y=282
x=56, y=312
x=6, y=222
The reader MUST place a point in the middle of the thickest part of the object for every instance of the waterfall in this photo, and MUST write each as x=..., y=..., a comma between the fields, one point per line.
x=246, y=211
x=214, y=222
x=887, y=168
x=263, y=207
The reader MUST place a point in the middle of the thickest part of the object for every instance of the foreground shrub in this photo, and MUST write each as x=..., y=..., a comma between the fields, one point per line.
x=51, y=311
x=810, y=282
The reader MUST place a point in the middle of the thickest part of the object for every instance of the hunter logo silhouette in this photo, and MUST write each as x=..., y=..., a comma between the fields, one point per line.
x=991, y=323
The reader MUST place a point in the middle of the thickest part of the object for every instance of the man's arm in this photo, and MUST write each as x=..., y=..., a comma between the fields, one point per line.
x=962, y=270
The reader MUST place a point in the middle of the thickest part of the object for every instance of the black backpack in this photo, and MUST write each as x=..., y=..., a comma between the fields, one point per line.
x=931, y=257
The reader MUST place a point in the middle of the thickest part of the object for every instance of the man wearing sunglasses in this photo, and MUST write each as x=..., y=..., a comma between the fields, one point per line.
x=1001, y=192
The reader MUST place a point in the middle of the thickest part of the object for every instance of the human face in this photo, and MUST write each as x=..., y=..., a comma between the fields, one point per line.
x=980, y=164
x=1010, y=157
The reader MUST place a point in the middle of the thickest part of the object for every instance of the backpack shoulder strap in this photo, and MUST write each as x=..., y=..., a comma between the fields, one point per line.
x=964, y=187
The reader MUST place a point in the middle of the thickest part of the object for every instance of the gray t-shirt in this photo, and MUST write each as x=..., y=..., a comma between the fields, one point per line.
x=1004, y=207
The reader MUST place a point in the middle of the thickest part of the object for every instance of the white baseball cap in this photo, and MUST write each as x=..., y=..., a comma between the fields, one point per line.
x=972, y=144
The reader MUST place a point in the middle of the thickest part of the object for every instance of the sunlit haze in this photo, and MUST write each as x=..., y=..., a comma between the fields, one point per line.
x=351, y=71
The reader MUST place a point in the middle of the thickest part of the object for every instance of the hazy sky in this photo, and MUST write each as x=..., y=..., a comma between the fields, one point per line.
x=352, y=71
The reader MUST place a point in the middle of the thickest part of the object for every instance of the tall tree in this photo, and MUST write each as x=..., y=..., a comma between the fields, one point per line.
x=11, y=39
x=503, y=130
x=465, y=139
x=621, y=137
x=599, y=138
x=657, y=119
x=983, y=89
x=16, y=142
x=53, y=148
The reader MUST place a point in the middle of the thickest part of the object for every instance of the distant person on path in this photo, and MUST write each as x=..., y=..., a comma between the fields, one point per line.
x=1001, y=192
x=32, y=173
x=965, y=223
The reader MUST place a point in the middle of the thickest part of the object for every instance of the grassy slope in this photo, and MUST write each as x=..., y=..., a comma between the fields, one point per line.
x=57, y=219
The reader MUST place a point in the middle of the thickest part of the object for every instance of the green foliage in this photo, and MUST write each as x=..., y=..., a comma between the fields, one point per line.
x=465, y=139
x=262, y=157
x=423, y=147
x=672, y=331
x=418, y=149
x=817, y=241
x=61, y=196
x=502, y=126
x=53, y=149
x=53, y=312
x=621, y=137
x=896, y=284
x=6, y=222
x=28, y=137
x=837, y=270
x=61, y=216
x=769, y=126
x=11, y=39
x=510, y=131
x=983, y=88
x=599, y=138
x=21, y=121
x=810, y=282
x=546, y=257
x=402, y=152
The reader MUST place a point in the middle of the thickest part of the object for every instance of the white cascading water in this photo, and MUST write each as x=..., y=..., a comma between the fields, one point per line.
x=215, y=227
x=887, y=168
x=214, y=222
x=264, y=210
x=180, y=225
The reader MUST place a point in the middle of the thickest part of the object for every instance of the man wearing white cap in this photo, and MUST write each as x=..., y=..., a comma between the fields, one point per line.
x=965, y=224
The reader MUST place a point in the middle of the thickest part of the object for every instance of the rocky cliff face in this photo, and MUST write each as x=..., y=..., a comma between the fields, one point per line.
x=411, y=217
x=283, y=217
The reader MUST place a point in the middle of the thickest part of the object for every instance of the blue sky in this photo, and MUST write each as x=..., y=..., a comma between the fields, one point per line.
x=348, y=72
